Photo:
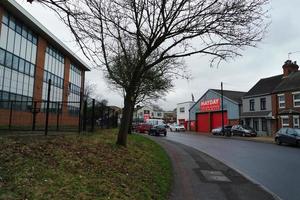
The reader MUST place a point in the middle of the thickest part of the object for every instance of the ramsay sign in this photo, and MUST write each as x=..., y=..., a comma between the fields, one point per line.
x=210, y=105
x=146, y=116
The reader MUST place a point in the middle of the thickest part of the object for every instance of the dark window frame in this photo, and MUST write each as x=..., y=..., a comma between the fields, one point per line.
x=263, y=104
x=264, y=125
x=251, y=105
x=182, y=109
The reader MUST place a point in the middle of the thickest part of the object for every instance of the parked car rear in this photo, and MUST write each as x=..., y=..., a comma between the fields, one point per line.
x=288, y=136
x=218, y=131
x=158, y=130
x=143, y=128
x=243, y=130
x=176, y=127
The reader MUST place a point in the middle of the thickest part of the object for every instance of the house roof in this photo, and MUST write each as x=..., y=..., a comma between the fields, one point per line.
x=185, y=102
x=233, y=95
x=115, y=108
x=264, y=86
x=289, y=112
x=154, y=108
x=289, y=83
x=17, y=10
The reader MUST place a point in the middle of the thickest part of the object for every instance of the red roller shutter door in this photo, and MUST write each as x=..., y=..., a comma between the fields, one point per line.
x=203, y=122
x=216, y=119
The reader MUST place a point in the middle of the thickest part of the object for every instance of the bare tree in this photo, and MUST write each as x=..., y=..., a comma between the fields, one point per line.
x=156, y=83
x=159, y=31
x=89, y=89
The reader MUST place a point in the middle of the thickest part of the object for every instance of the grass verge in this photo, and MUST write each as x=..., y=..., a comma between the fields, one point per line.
x=83, y=167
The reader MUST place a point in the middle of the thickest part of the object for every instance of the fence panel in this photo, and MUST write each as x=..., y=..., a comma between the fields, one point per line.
x=62, y=116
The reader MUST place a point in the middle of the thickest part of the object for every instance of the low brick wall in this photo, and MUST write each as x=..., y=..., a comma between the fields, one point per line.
x=21, y=118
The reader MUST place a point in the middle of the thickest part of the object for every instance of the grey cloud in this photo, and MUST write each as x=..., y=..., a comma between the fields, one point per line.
x=238, y=74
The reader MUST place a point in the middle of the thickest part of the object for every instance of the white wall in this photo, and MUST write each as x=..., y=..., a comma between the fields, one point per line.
x=186, y=106
x=152, y=113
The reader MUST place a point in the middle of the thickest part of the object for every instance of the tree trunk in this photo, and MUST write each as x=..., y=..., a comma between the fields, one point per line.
x=126, y=116
x=130, y=121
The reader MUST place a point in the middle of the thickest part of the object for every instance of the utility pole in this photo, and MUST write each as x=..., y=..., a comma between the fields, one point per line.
x=222, y=108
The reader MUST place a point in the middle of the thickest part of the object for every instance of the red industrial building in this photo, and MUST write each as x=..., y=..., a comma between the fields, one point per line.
x=206, y=113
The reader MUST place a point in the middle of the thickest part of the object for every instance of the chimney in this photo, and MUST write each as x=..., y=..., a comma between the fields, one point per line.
x=289, y=67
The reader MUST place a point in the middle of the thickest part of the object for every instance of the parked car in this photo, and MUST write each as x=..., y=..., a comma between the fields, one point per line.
x=134, y=126
x=243, y=130
x=288, y=136
x=176, y=127
x=158, y=130
x=143, y=128
x=218, y=131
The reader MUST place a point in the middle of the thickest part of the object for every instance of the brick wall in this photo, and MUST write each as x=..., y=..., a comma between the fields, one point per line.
x=25, y=119
x=66, y=83
x=233, y=122
x=289, y=104
x=275, y=122
x=39, y=70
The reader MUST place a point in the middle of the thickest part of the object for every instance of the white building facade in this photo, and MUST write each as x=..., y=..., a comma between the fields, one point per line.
x=183, y=112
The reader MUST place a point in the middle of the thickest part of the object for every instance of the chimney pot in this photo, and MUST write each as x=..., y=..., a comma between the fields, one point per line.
x=289, y=67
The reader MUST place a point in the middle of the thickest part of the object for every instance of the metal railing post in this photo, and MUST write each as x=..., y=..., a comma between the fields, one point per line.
x=93, y=116
x=47, y=107
x=57, y=116
x=84, y=115
x=102, y=119
x=34, y=112
x=10, y=114
x=80, y=113
x=108, y=117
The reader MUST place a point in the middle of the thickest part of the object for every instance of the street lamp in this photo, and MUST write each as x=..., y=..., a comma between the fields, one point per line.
x=222, y=108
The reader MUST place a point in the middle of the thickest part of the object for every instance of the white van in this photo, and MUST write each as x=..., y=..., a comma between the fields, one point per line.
x=154, y=122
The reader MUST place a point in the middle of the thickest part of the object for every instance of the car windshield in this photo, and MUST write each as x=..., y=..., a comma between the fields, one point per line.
x=247, y=127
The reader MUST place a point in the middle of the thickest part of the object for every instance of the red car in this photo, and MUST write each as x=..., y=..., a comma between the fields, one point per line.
x=143, y=128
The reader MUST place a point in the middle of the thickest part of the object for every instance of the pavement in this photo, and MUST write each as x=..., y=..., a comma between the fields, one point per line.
x=199, y=176
x=264, y=139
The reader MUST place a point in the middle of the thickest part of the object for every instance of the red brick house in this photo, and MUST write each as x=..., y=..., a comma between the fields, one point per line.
x=274, y=102
x=286, y=97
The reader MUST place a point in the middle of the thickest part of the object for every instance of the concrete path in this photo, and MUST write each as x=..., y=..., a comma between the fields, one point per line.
x=199, y=176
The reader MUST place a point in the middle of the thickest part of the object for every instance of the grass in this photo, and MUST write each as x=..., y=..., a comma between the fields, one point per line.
x=83, y=167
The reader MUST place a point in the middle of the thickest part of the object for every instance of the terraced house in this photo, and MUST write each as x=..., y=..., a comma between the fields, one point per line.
x=29, y=56
x=286, y=97
x=274, y=102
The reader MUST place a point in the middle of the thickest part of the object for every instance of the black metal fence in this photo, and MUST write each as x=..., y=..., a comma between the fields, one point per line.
x=56, y=116
x=62, y=116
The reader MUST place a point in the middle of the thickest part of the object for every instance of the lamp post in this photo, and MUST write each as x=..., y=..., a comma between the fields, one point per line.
x=222, y=108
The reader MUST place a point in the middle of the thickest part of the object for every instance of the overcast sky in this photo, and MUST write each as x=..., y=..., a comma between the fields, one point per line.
x=239, y=74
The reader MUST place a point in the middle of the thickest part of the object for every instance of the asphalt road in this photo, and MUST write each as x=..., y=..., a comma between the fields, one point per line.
x=277, y=168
